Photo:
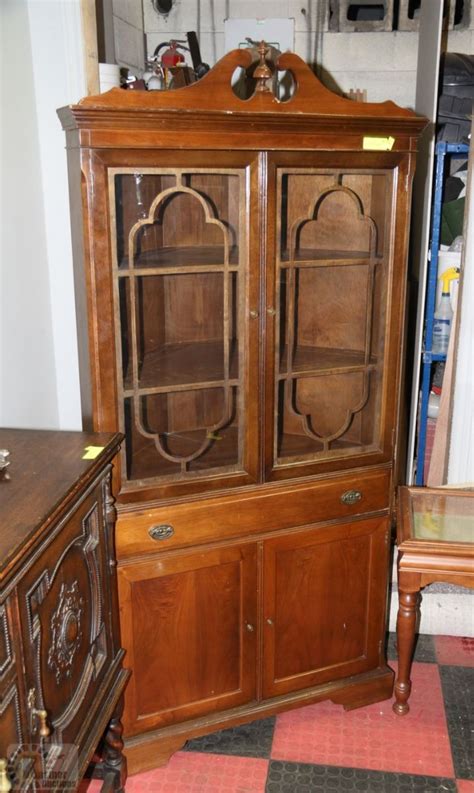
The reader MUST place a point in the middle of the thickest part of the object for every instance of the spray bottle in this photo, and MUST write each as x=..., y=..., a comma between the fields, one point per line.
x=444, y=313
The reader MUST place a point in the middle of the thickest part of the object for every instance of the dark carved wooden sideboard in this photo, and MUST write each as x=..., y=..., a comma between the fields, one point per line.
x=61, y=675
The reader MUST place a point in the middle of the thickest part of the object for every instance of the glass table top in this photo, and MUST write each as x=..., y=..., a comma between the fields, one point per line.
x=442, y=518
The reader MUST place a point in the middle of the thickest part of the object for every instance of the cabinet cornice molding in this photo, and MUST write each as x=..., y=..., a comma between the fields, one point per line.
x=212, y=99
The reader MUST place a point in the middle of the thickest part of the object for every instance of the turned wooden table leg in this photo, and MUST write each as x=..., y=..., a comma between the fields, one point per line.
x=408, y=612
x=114, y=761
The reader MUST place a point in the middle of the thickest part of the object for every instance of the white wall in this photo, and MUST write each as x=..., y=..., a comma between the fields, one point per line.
x=382, y=63
x=28, y=378
x=129, y=35
x=42, y=69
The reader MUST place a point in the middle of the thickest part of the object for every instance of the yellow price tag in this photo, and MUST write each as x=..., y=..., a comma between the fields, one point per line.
x=378, y=144
x=91, y=452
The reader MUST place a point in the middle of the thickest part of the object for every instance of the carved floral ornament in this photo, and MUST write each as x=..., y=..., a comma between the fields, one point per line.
x=66, y=631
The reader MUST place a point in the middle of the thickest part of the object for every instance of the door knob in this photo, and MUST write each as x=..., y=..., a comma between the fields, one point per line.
x=249, y=627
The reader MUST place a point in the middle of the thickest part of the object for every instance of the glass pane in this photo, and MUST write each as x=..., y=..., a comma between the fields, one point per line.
x=183, y=432
x=331, y=296
x=443, y=518
x=162, y=220
x=177, y=287
x=179, y=329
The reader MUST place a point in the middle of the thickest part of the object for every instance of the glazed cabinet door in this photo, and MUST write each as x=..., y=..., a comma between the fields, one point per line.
x=324, y=604
x=189, y=626
x=184, y=285
x=335, y=275
x=69, y=655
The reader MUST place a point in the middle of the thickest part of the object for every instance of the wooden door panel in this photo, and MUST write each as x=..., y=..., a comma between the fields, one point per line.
x=63, y=605
x=324, y=601
x=189, y=628
x=11, y=735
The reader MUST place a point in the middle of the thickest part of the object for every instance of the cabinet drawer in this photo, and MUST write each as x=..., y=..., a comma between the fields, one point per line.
x=265, y=509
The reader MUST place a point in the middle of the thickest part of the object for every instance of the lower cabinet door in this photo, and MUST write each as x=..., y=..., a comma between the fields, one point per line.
x=189, y=627
x=324, y=604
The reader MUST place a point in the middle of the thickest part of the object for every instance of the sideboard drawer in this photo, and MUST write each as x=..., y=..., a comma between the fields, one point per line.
x=244, y=514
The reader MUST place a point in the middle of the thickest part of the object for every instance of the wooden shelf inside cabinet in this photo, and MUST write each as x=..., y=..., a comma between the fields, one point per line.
x=179, y=367
x=325, y=258
x=192, y=256
x=299, y=448
x=314, y=361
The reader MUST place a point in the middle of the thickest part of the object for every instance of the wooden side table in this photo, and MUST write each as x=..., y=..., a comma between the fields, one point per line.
x=435, y=535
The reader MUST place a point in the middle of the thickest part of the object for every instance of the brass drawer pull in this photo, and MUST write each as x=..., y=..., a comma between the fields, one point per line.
x=5, y=784
x=162, y=532
x=38, y=717
x=351, y=497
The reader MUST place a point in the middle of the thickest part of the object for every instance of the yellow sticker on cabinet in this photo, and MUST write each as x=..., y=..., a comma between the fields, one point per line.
x=378, y=144
x=91, y=452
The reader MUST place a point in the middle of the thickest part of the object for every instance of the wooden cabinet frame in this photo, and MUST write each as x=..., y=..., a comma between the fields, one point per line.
x=290, y=480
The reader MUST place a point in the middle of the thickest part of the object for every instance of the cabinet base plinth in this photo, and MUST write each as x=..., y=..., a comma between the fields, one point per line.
x=154, y=749
x=360, y=696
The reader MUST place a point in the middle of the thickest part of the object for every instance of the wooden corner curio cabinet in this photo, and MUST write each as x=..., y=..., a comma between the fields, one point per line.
x=240, y=280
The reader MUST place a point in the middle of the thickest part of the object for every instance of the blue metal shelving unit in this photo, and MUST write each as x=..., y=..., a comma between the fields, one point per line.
x=443, y=149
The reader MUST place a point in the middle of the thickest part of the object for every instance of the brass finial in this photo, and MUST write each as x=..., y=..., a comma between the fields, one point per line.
x=262, y=71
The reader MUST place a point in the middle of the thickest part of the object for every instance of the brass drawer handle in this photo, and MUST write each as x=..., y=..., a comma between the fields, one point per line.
x=38, y=717
x=162, y=532
x=5, y=784
x=351, y=497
